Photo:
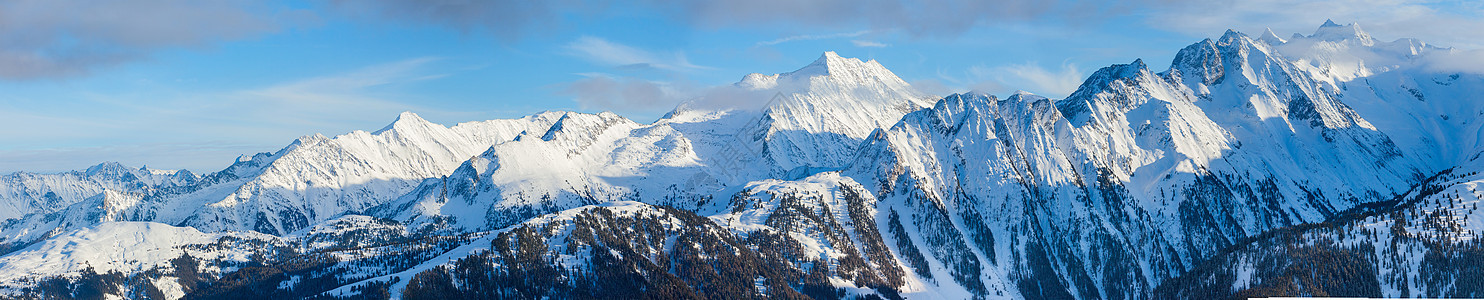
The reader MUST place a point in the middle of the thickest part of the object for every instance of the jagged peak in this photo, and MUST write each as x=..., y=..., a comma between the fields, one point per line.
x=834, y=65
x=406, y=119
x=1230, y=35
x=758, y=81
x=950, y=110
x=1333, y=32
x=1024, y=96
x=1234, y=38
x=409, y=115
x=1268, y=36
x=831, y=59
x=1130, y=70
x=1202, y=60
x=312, y=138
x=576, y=120
x=185, y=174
x=967, y=98
x=1100, y=79
x=245, y=161
x=111, y=167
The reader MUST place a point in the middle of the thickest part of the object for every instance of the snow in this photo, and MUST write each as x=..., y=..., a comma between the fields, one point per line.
x=127, y=247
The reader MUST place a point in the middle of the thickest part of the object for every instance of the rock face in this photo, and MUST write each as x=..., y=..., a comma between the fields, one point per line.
x=1329, y=164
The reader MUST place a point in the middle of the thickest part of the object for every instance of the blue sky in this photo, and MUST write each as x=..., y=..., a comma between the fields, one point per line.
x=193, y=84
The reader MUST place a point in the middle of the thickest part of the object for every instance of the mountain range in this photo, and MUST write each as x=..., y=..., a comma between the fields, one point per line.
x=1329, y=164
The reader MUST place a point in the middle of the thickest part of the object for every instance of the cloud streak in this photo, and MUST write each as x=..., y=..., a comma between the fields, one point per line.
x=623, y=94
x=1058, y=82
x=1029, y=76
x=812, y=37
x=604, y=52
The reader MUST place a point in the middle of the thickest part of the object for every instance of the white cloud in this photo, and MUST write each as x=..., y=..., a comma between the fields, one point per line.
x=932, y=86
x=346, y=86
x=808, y=37
x=339, y=102
x=1471, y=61
x=1047, y=82
x=1002, y=80
x=623, y=94
x=868, y=44
x=601, y=51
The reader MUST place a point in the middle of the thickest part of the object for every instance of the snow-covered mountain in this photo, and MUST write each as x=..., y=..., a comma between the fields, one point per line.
x=1248, y=161
x=809, y=120
x=23, y=192
x=313, y=179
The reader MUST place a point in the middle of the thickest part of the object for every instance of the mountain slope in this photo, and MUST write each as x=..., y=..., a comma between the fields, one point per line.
x=1159, y=170
x=1425, y=243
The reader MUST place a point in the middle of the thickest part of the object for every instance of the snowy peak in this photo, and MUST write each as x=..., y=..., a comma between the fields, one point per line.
x=1271, y=38
x=109, y=168
x=848, y=70
x=951, y=111
x=1333, y=32
x=832, y=76
x=1100, y=79
x=409, y=116
x=1201, y=62
x=1108, y=79
x=1024, y=96
x=407, y=120
x=758, y=81
x=827, y=62
x=579, y=125
x=953, y=104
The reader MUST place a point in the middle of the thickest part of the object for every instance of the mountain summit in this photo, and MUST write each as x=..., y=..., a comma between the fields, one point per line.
x=839, y=70
x=406, y=120
x=1335, y=32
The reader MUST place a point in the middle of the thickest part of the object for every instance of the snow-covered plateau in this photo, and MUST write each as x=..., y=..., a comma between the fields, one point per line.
x=1330, y=165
